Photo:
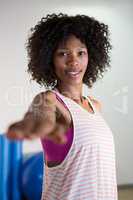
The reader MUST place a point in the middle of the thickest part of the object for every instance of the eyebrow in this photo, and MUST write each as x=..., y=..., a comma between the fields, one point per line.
x=62, y=48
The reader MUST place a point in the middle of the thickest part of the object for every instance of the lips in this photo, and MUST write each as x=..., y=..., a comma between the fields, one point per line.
x=73, y=73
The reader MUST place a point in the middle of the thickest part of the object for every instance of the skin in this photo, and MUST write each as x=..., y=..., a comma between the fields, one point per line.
x=47, y=117
x=71, y=56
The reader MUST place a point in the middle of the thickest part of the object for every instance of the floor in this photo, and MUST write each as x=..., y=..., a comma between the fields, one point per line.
x=125, y=194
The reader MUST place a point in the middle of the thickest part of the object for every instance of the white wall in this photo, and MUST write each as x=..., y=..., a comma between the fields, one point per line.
x=115, y=90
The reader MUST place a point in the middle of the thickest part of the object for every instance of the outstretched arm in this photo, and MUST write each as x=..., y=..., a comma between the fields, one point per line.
x=39, y=121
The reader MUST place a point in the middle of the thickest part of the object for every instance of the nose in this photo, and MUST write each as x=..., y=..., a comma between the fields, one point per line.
x=72, y=60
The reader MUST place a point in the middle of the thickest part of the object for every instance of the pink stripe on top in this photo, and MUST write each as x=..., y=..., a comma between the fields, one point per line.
x=57, y=152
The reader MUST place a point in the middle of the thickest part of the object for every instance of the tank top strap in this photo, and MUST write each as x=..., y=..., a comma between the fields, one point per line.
x=91, y=104
x=87, y=97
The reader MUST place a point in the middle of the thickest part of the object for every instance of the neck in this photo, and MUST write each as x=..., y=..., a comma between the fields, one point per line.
x=73, y=92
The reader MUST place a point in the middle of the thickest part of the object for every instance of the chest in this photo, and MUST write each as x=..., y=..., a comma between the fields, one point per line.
x=88, y=123
x=63, y=114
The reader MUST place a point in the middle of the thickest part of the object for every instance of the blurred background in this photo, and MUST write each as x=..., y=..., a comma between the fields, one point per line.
x=114, y=90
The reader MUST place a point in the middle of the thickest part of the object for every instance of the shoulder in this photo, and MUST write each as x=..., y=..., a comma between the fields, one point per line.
x=48, y=94
x=47, y=97
x=51, y=95
x=97, y=103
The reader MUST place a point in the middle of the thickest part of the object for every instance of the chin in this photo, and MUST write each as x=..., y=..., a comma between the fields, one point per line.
x=75, y=82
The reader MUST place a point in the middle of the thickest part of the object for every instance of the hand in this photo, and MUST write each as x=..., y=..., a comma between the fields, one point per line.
x=41, y=120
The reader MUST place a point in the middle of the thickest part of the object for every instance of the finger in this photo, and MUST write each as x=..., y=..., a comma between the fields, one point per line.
x=18, y=130
x=58, y=135
x=60, y=138
x=14, y=135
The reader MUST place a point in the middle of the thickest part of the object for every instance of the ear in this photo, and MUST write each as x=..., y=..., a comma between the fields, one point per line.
x=96, y=103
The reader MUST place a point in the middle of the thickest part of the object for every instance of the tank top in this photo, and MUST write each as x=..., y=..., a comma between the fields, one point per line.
x=57, y=152
x=88, y=172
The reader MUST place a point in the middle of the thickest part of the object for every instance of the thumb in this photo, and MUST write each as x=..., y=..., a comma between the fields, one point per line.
x=58, y=135
x=60, y=138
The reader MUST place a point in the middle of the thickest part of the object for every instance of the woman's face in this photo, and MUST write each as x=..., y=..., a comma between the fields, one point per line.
x=70, y=61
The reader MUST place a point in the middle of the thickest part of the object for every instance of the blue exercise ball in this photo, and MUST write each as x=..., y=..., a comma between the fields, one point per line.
x=32, y=177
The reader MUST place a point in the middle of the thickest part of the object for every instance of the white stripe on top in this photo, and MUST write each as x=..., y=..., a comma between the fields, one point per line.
x=88, y=172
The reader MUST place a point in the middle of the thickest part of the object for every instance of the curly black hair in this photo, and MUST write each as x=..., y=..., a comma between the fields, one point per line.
x=51, y=30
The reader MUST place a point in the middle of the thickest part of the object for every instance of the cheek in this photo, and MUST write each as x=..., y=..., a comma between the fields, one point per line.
x=85, y=61
x=57, y=66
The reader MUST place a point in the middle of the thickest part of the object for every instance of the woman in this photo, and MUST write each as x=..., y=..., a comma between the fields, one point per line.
x=66, y=52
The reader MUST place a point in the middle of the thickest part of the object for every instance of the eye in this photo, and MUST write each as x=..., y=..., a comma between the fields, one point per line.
x=80, y=53
x=62, y=54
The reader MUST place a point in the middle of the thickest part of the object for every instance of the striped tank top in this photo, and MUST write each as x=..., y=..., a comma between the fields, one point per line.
x=57, y=152
x=88, y=172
